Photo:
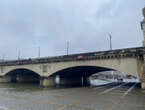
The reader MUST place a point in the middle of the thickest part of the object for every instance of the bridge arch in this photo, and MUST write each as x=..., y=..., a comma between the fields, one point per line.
x=22, y=75
x=80, y=70
x=77, y=74
x=131, y=66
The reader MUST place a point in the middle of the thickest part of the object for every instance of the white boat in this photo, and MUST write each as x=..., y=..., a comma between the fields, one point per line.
x=98, y=82
x=104, y=78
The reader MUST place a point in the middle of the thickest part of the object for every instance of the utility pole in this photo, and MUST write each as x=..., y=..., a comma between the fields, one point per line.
x=67, y=47
x=38, y=52
x=110, y=41
x=18, y=54
x=3, y=58
x=39, y=56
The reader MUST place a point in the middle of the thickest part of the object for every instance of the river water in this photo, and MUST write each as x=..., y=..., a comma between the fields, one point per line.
x=108, y=97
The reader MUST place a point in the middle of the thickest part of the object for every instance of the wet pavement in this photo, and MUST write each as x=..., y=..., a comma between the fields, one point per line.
x=123, y=96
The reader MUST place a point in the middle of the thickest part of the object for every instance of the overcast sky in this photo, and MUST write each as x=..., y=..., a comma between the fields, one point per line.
x=26, y=25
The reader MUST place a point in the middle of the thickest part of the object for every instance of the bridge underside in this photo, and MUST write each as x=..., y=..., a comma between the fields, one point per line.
x=74, y=76
x=21, y=76
x=77, y=75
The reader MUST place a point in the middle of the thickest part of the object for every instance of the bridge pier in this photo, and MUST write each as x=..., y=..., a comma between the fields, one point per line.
x=85, y=81
x=143, y=80
x=143, y=85
x=5, y=79
x=142, y=76
x=47, y=81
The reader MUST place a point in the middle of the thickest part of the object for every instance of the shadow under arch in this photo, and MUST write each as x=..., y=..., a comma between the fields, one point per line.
x=22, y=75
x=78, y=74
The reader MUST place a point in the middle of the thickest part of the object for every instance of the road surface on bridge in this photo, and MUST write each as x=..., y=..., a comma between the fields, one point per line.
x=109, y=97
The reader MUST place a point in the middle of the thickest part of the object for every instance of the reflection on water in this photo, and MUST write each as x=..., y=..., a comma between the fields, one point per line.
x=21, y=87
x=16, y=96
x=24, y=87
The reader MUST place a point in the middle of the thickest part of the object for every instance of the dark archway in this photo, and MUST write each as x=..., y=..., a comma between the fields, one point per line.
x=77, y=75
x=23, y=76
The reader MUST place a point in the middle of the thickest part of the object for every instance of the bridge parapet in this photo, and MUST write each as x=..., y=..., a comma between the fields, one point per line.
x=129, y=52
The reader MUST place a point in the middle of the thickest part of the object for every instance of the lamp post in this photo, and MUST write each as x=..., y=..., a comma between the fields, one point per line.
x=67, y=47
x=38, y=52
x=110, y=37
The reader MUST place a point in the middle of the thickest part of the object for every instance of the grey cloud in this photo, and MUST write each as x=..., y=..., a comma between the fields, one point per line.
x=26, y=25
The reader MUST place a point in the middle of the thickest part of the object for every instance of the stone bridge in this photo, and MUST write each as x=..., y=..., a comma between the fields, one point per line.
x=76, y=68
x=72, y=68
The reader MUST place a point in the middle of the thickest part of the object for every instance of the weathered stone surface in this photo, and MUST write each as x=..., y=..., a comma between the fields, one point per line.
x=142, y=79
x=143, y=85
